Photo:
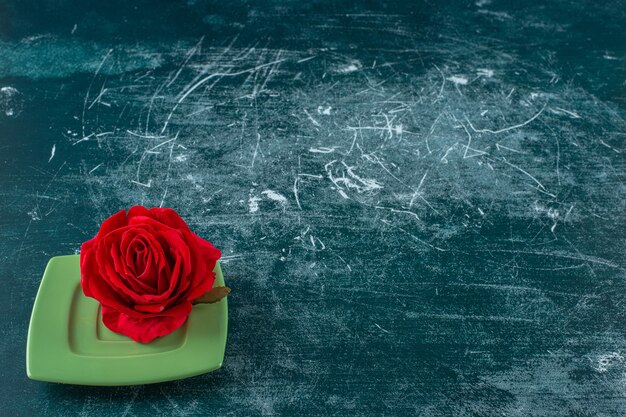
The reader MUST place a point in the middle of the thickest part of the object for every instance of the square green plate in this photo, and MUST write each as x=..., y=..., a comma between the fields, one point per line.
x=68, y=343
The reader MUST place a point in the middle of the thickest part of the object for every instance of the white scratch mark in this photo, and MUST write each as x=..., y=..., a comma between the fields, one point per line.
x=52, y=152
x=413, y=236
x=315, y=122
x=89, y=88
x=139, y=135
x=343, y=194
x=96, y=167
x=393, y=210
x=295, y=192
x=579, y=256
x=444, y=158
x=209, y=77
x=508, y=149
x=97, y=99
x=190, y=53
x=609, y=146
x=469, y=142
x=147, y=184
x=229, y=258
x=354, y=140
x=306, y=59
x=344, y=261
x=510, y=93
x=485, y=72
x=386, y=331
x=506, y=129
x=256, y=149
x=417, y=193
x=83, y=139
x=163, y=198
x=368, y=184
x=365, y=183
x=419, y=186
x=160, y=144
x=135, y=390
x=525, y=172
x=167, y=175
x=443, y=84
x=558, y=110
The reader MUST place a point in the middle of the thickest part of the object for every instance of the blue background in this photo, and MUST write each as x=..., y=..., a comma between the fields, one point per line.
x=420, y=204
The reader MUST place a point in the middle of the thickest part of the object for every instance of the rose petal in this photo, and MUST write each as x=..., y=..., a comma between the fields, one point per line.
x=142, y=261
x=145, y=330
x=94, y=285
x=138, y=288
x=170, y=218
x=114, y=222
x=138, y=211
x=87, y=265
x=209, y=255
x=116, y=272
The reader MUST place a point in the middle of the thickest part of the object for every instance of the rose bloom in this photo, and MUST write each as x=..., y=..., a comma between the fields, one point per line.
x=146, y=267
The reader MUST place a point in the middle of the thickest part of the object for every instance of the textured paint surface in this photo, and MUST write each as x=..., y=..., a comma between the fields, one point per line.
x=421, y=207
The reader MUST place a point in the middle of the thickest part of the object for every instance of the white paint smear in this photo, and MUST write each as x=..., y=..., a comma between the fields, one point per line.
x=273, y=195
x=457, y=80
x=353, y=66
x=324, y=110
x=322, y=149
x=253, y=204
x=604, y=362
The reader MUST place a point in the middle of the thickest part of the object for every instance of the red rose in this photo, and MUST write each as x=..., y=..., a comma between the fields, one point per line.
x=145, y=268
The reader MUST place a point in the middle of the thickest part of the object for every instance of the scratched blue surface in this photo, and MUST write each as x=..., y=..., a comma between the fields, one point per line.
x=420, y=205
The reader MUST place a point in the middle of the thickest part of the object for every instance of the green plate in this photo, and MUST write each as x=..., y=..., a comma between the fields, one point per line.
x=68, y=343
